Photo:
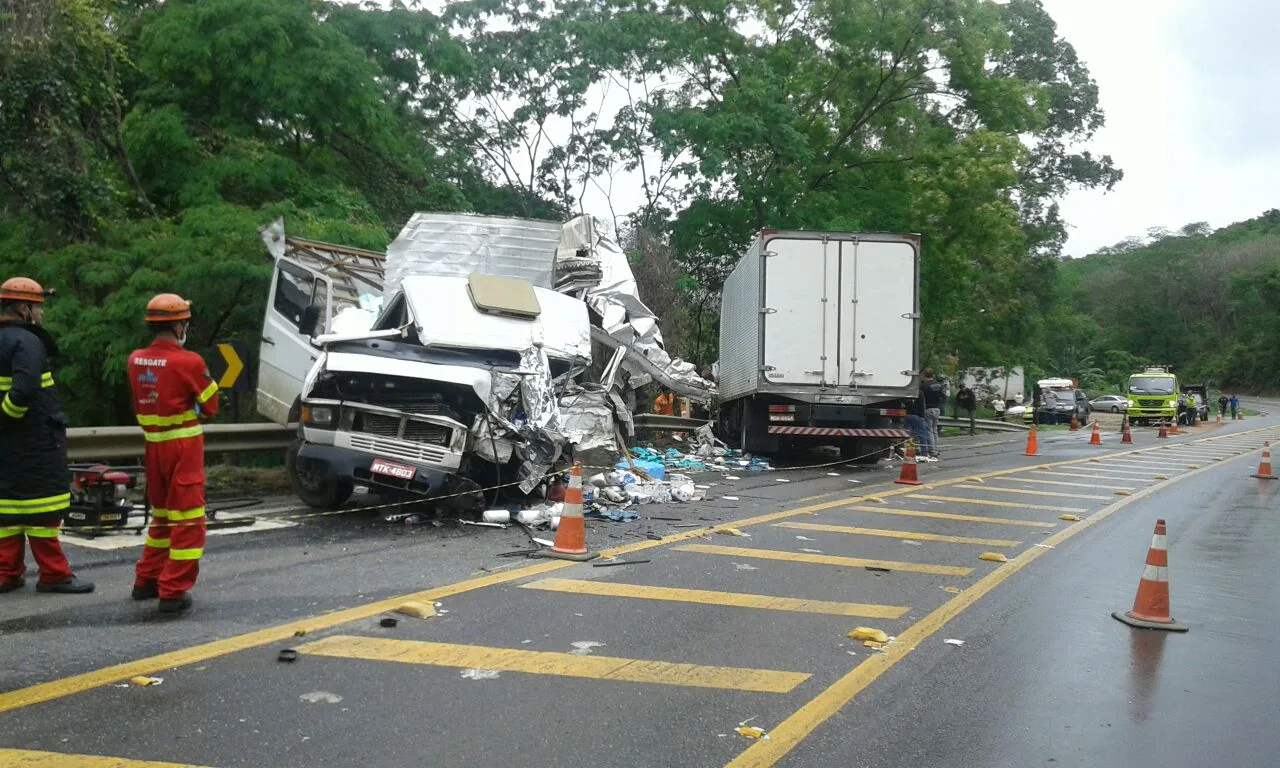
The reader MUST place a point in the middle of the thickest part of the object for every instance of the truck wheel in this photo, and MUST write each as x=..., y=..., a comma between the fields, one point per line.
x=315, y=491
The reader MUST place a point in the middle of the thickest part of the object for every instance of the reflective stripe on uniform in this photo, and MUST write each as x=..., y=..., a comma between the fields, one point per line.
x=35, y=506
x=10, y=531
x=156, y=543
x=37, y=532
x=173, y=434
x=162, y=514
x=185, y=514
x=14, y=411
x=148, y=420
x=6, y=382
x=186, y=554
x=208, y=393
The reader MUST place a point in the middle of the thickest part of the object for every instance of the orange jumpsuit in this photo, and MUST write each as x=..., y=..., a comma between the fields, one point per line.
x=172, y=391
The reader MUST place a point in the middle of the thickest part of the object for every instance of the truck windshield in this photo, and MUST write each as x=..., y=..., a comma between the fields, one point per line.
x=1150, y=385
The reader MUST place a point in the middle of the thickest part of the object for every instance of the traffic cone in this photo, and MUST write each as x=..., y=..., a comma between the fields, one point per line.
x=1151, y=604
x=1075, y=422
x=1163, y=432
x=908, y=475
x=1031, y=441
x=1096, y=437
x=571, y=536
x=1264, y=466
x=1126, y=434
x=1173, y=427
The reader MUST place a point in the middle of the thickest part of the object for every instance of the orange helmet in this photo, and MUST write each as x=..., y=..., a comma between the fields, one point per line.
x=22, y=289
x=168, y=308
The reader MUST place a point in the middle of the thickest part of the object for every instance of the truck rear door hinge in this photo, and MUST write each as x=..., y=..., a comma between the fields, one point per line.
x=768, y=311
x=909, y=373
x=768, y=254
x=767, y=368
x=911, y=315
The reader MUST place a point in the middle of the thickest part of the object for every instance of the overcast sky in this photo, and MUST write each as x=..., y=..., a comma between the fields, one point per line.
x=1193, y=112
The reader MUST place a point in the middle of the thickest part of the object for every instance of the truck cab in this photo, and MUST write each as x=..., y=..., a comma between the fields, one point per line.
x=1153, y=396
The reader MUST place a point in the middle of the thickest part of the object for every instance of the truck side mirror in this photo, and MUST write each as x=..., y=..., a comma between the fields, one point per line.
x=309, y=320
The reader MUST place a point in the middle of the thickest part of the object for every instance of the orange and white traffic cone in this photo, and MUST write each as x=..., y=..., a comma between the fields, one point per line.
x=1163, y=431
x=1032, y=447
x=1151, y=604
x=1126, y=434
x=571, y=536
x=1173, y=427
x=1264, y=466
x=908, y=475
x=1096, y=437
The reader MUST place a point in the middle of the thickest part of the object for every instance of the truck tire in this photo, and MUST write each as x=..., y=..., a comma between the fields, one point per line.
x=315, y=491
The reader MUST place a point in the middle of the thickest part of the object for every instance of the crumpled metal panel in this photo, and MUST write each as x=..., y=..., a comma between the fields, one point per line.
x=459, y=244
x=626, y=320
x=587, y=420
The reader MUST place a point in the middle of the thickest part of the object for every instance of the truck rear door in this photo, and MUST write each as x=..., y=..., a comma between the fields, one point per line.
x=877, y=312
x=801, y=280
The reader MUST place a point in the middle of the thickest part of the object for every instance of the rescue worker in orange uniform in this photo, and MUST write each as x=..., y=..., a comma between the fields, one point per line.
x=172, y=393
x=35, y=487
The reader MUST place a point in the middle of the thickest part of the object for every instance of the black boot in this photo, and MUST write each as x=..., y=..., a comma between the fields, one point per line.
x=175, y=604
x=145, y=592
x=71, y=586
x=12, y=584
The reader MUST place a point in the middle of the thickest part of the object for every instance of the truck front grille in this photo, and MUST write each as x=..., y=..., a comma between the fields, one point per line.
x=376, y=424
x=419, y=431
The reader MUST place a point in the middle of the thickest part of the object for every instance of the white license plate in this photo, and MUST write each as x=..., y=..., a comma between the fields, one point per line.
x=109, y=517
x=782, y=417
x=392, y=469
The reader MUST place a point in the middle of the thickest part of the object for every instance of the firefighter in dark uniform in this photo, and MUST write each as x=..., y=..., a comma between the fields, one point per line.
x=35, y=486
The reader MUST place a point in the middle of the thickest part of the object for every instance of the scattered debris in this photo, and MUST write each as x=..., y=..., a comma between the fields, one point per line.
x=909, y=541
x=873, y=644
x=875, y=499
x=782, y=479
x=483, y=524
x=993, y=557
x=1122, y=492
x=878, y=569
x=952, y=641
x=584, y=647
x=320, y=697
x=143, y=680
x=732, y=477
x=416, y=610
x=752, y=732
x=868, y=633
x=812, y=551
x=733, y=532
x=1045, y=546
x=299, y=633
x=388, y=622
x=609, y=563
x=729, y=498
x=952, y=590
x=479, y=674
x=1070, y=518
x=745, y=567
x=805, y=538
x=833, y=474
x=287, y=655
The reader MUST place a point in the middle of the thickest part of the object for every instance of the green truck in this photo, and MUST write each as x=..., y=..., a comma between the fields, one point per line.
x=1153, y=396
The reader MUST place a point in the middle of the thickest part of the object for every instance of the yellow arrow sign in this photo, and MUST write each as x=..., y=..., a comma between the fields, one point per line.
x=235, y=366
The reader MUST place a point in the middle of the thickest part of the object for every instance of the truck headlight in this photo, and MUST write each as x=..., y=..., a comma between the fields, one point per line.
x=1171, y=404
x=1132, y=403
x=322, y=416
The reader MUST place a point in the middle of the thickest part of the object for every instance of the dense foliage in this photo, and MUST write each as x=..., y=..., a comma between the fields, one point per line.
x=142, y=143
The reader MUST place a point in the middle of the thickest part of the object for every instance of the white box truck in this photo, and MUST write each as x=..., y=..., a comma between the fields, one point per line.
x=818, y=342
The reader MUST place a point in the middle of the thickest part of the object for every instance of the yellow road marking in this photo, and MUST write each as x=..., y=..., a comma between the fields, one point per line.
x=898, y=534
x=1059, y=482
x=1029, y=491
x=805, y=557
x=790, y=732
x=709, y=597
x=30, y=758
x=992, y=503
x=958, y=518
x=554, y=663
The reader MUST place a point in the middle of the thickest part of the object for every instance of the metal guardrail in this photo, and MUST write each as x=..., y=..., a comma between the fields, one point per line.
x=985, y=425
x=90, y=443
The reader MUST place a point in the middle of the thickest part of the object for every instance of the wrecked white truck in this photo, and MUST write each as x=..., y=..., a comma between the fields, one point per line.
x=467, y=370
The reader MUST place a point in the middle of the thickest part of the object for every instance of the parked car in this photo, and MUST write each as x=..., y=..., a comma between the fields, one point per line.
x=1056, y=406
x=1110, y=403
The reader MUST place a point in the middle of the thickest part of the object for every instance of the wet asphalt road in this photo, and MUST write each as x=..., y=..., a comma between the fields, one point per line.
x=1045, y=675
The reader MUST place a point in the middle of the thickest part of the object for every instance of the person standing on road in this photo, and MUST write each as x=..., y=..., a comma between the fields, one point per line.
x=967, y=400
x=916, y=426
x=35, y=485
x=935, y=399
x=1222, y=406
x=172, y=393
x=1235, y=406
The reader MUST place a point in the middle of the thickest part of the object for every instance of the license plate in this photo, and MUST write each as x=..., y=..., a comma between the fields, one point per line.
x=392, y=469
x=109, y=517
x=782, y=417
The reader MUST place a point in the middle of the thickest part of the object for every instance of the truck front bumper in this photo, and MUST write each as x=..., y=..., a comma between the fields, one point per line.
x=427, y=482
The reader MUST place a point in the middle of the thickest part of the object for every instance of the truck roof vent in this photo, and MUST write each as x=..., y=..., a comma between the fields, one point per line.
x=508, y=296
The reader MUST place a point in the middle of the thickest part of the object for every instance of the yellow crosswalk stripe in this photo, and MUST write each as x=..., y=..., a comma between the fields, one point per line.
x=1028, y=491
x=952, y=516
x=1039, y=481
x=709, y=597
x=554, y=663
x=912, y=535
x=30, y=758
x=817, y=559
x=993, y=503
